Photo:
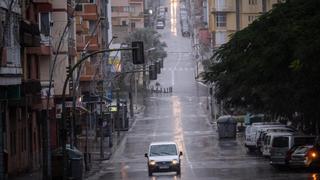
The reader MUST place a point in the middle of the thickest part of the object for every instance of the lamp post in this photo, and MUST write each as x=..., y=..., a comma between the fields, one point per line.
x=63, y=114
x=144, y=67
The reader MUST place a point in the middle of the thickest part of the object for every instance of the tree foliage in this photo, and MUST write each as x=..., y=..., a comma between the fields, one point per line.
x=273, y=65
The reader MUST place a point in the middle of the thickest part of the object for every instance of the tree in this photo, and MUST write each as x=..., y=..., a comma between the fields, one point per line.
x=272, y=65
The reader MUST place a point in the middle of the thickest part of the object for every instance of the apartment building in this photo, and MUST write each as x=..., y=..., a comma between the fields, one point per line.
x=127, y=15
x=229, y=16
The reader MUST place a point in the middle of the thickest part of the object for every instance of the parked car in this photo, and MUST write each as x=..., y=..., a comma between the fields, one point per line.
x=163, y=157
x=185, y=30
x=306, y=156
x=160, y=25
x=282, y=144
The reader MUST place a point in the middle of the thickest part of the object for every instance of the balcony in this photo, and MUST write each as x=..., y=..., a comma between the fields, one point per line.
x=11, y=56
x=94, y=43
x=228, y=8
x=30, y=35
x=42, y=1
x=87, y=11
x=83, y=28
x=136, y=1
x=43, y=5
x=40, y=51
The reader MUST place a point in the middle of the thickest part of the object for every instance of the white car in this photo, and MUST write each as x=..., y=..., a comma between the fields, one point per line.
x=160, y=25
x=163, y=157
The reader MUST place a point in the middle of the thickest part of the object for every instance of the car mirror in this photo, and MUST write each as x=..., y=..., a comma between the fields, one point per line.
x=145, y=155
x=180, y=154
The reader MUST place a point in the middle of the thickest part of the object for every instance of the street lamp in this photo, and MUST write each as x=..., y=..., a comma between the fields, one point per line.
x=63, y=114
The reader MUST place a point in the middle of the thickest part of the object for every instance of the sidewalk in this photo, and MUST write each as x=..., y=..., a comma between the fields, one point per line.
x=96, y=161
x=94, y=149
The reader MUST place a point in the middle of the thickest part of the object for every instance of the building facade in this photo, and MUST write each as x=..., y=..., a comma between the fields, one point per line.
x=229, y=16
x=127, y=15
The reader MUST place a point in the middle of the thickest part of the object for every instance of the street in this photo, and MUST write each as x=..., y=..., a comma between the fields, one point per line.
x=182, y=116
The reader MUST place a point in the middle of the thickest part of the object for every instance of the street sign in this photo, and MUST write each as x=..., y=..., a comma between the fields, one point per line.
x=112, y=108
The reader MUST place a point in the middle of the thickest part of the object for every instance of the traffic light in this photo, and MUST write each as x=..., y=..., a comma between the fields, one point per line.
x=68, y=70
x=71, y=78
x=152, y=72
x=158, y=68
x=138, y=52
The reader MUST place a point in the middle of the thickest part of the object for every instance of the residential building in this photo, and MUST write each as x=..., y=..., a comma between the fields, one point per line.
x=10, y=89
x=229, y=16
x=93, y=31
x=127, y=15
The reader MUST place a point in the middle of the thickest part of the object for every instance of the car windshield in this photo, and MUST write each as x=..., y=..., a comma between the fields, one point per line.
x=301, y=150
x=163, y=150
x=280, y=142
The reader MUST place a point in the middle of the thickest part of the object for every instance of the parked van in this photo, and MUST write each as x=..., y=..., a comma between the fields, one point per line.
x=281, y=145
x=269, y=141
x=261, y=134
x=251, y=133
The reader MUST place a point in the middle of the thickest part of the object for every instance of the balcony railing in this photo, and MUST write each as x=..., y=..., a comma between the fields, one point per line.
x=135, y=1
x=42, y=1
x=226, y=8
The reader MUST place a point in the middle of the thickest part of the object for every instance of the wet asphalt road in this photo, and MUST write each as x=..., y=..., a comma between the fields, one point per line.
x=181, y=116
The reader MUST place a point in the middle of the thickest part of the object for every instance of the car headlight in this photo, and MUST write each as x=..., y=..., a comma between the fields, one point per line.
x=175, y=161
x=152, y=162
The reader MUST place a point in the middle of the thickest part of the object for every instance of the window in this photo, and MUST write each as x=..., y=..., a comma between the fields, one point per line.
x=252, y=2
x=133, y=25
x=280, y=142
x=125, y=9
x=114, y=9
x=78, y=7
x=29, y=66
x=221, y=19
x=221, y=38
x=220, y=4
x=250, y=18
x=92, y=25
x=36, y=62
x=132, y=9
x=44, y=19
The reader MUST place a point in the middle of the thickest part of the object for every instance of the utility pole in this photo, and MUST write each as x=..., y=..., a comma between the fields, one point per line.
x=2, y=163
x=117, y=112
x=101, y=129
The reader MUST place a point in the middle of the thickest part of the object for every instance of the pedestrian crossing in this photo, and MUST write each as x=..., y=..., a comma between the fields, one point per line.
x=178, y=69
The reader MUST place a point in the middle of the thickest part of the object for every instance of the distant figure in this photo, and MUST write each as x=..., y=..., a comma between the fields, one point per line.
x=157, y=84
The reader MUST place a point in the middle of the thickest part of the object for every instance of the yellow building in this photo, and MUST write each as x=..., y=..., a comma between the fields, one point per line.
x=228, y=16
